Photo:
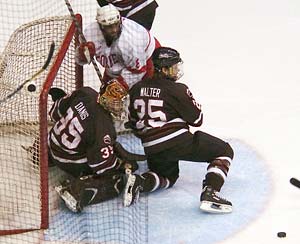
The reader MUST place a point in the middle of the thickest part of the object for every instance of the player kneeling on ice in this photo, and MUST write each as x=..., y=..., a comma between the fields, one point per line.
x=161, y=112
x=82, y=143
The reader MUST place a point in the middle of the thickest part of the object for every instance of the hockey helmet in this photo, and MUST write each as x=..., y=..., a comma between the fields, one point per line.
x=108, y=15
x=113, y=97
x=165, y=57
x=167, y=60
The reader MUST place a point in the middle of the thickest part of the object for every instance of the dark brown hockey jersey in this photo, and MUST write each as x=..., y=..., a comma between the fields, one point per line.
x=83, y=132
x=129, y=7
x=161, y=112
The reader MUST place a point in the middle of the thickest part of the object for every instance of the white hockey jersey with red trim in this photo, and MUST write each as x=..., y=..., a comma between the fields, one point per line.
x=127, y=56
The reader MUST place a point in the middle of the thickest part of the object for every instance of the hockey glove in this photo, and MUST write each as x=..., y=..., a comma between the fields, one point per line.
x=85, y=53
x=56, y=93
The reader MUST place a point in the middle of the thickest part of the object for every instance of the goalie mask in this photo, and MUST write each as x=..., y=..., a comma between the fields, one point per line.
x=113, y=98
x=167, y=63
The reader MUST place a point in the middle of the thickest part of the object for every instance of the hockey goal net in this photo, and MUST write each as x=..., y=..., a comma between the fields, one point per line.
x=30, y=210
x=23, y=117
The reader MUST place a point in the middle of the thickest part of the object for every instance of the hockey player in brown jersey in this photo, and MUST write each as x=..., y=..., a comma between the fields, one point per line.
x=82, y=142
x=161, y=111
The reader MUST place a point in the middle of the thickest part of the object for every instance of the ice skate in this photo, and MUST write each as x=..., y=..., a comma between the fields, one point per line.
x=70, y=201
x=132, y=189
x=212, y=203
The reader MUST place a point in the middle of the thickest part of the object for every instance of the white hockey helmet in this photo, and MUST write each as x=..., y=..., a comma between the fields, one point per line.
x=108, y=15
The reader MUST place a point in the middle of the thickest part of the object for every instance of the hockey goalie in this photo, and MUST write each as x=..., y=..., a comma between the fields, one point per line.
x=83, y=143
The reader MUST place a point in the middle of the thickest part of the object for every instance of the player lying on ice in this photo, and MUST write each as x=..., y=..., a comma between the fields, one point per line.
x=82, y=143
x=161, y=112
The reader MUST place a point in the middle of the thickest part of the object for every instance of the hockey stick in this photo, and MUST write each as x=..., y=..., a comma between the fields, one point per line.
x=50, y=54
x=129, y=156
x=295, y=182
x=82, y=37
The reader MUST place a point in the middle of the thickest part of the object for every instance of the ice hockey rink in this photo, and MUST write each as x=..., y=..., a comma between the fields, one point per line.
x=241, y=61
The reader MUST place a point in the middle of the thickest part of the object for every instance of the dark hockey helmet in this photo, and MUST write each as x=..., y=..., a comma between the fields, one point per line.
x=167, y=61
x=165, y=57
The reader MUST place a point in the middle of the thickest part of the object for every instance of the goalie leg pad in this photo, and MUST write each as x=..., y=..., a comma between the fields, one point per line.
x=90, y=189
x=100, y=189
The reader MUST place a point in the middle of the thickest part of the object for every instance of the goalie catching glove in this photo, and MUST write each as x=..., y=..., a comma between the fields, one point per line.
x=85, y=53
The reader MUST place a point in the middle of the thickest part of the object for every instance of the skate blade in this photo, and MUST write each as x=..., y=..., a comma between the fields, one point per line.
x=127, y=200
x=69, y=200
x=215, y=208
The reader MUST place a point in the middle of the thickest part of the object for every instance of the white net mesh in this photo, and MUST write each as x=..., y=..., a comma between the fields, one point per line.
x=27, y=31
x=24, y=55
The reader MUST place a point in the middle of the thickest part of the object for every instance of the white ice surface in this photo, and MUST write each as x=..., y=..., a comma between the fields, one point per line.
x=242, y=63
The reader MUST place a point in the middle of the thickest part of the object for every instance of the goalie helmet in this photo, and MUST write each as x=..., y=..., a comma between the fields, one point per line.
x=108, y=15
x=168, y=63
x=113, y=98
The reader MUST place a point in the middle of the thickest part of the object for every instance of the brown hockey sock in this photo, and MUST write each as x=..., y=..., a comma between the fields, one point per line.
x=213, y=180
x=217, y=172
x=153, y=182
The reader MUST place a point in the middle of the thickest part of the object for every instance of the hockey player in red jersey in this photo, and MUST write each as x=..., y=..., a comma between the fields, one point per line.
x=82, y=142
x=141, y=11
x=120, y=45
x=161, y=112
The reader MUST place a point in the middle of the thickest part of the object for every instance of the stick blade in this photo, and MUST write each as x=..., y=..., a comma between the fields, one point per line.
x=50, y=54
x=295, y=182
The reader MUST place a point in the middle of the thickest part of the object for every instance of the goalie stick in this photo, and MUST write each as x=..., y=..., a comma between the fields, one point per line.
x=50, y=54
x=295, y=182
x=82, y=37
